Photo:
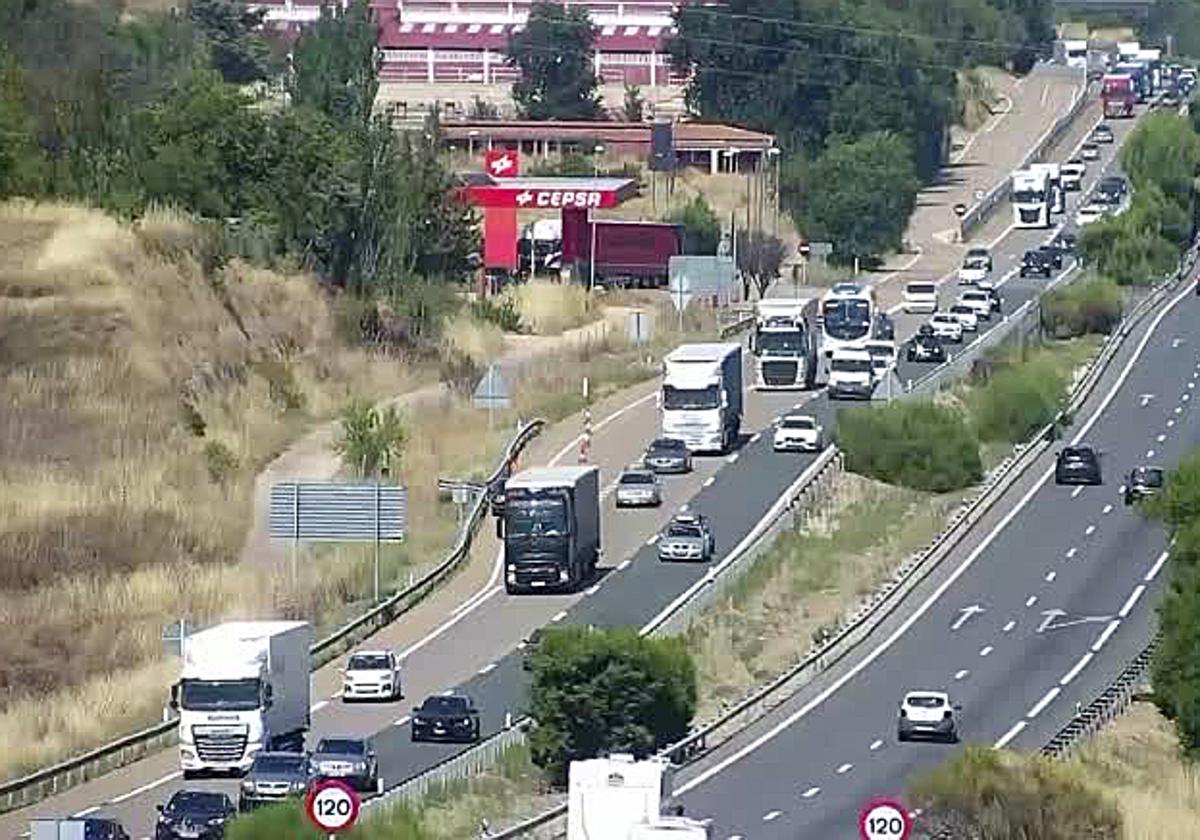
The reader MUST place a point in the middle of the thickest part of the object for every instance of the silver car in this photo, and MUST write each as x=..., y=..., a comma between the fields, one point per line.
x=687, y=537
x=639, y=488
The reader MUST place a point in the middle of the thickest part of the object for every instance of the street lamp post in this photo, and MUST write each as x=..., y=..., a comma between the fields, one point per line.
x=471, y=135
x=596, y=152
x=774, y=154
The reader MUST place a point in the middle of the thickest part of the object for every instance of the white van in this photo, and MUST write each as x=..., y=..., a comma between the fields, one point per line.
x=920, y=296
x=851, y=374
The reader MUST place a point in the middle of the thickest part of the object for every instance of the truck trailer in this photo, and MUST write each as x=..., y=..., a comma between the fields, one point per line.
x=245, y=689
x=636, y=254
x=549, y=520
x=701, y=398
x=785, y=343
x=1118, y=95
x=77, y=828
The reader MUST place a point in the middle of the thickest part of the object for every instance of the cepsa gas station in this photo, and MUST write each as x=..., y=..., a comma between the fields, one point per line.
x=500, y=192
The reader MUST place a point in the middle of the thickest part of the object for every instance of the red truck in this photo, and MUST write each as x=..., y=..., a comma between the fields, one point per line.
x=1118, y=95
x=634, y=253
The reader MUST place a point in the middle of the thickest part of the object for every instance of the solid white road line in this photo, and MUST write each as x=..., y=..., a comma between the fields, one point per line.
x=593, y=589
x=1007, y=737
x=318, y=706
x=1105, y=634
x=403, y=721
x=486, y=669
x=1079, y=666
x=935, y=596
x=1154, y=570
x=1131, y=600
x=624, y=564
x=1046, y=700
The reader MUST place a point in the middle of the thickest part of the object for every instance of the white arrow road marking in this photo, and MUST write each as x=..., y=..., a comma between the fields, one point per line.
x=967, y=613
x=1145, y=398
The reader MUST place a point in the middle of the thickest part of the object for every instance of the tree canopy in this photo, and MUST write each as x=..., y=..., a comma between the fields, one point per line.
x=554, y=53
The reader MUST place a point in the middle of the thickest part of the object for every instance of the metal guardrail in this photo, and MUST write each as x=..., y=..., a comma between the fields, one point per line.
x=67, y=774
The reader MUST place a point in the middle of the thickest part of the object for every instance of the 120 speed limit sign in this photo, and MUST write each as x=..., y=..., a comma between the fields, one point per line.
x=884, y=820
x=332, y=806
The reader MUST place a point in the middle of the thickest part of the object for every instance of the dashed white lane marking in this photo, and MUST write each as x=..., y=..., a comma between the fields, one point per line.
x=1076, y=491
x=1050, y=576
x=1170, y=423
x=844, y=769
x=1074, y=672
x=558, y=616
x=1160, y=438
x=1031, y=600
x=961, y=674
x=170, y=777
x=1089, y=530
x=624, y=564
x=1132, y=599
x=1154, y=570
x=771, y=815
x=683, y=507
x=1105, y=634
x=487, y=669
x=1046, y=700
x=810, y=793
x=986, y=651
x=1107, y=509
x=87, y=811
x=1186, y=397
x=1191, y=385
x=1007, y=628
x=1179, y=409
x=318, y=706
x=1149, y=453
x=736, y=837
x=1007, y=737
x=593, y=589
x=876, y=744
x=732, y=458
x=1071, y=552
x=652, y=540
x=708, y=482
x=756, y=437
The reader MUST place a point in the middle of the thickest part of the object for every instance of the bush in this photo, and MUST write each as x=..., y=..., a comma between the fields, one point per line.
x=701, y=228
x=502, y=312
x=601, y=691
x=982, y=794
x=914, y=444
x=1082, y=308
x=1018, y=400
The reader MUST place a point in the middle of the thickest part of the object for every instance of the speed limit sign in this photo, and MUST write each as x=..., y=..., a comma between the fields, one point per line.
x=884, y=819
x=332, y=806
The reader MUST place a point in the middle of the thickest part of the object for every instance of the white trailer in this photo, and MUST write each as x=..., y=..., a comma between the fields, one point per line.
x=245, y=688
x=617, y=798
x=701, y=398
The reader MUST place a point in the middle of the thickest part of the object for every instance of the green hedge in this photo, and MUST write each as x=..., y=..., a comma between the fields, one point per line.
x=1082, y=308
x=1018, y=400
x=920, y=445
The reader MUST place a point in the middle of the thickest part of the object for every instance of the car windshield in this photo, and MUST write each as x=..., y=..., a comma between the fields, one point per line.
x=1078, y=454
x=798, y=423
x=921, y=289
x=341, y=746
x=684, y=529
x=219, y=695
x=1148, y=476
x=962, y=309
x=196, y=802
x=369, y=662
x=925, y=701
x=279, y=763
x=975, y=263
x=681, y=399
x=851, y=365
x=445, y=705
x=1029, y=196
x=637, y=478
x=847, y=319
x=546, y=517
x=781, y=342
x=667, y=446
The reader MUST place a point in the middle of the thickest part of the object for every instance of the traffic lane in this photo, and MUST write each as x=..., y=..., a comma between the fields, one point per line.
x=887, y=680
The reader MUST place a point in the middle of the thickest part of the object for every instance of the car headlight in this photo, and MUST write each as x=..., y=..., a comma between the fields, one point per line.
x=360, y=766
x=299, y=785
x=247, y=784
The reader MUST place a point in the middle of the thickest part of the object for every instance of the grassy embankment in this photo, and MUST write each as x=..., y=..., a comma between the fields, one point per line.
x=144, y=395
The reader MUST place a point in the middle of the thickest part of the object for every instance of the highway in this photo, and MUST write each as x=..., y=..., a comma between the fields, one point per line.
x=1066, y=580
x=474, y=648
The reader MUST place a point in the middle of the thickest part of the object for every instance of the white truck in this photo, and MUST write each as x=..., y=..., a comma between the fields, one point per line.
x=1030, y=199
x=1056, y=195
x=617, y=798
x=245, y=689
x=785, y=343
x=701, y=398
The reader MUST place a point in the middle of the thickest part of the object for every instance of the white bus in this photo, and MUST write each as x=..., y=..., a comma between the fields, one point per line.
x=1030, y=199
x=848, y=313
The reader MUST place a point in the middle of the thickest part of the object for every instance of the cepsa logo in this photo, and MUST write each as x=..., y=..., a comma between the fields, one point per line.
x=558, y=198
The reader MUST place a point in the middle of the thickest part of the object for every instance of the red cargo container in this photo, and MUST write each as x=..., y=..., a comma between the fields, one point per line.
x=1118, y=95
x=633, y=253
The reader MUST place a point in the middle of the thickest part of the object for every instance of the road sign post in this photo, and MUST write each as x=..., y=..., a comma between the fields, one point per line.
x=332, y=806
x=884, y=819
x=492, y=392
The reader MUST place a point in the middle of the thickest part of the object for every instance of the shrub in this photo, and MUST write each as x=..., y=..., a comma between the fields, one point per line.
x=701, y=227
x=502, y=312
x=1018, y=400
x=982, y=794
x=600, y=691
x=914, y=444
x=371, y=441
x=1082, y=308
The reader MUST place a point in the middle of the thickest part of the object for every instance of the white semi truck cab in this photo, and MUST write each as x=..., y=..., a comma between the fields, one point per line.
x=701, y=398
x=785, y=343
x=245, y=688
x=618, y=798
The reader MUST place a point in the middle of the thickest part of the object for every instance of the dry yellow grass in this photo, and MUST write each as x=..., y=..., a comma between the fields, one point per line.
x=479, y=341
x=550, y=308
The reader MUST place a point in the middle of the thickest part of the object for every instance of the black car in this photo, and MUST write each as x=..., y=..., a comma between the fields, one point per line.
x=667, y=455
x=446, y=717
x=350, y=760
x=1113, y=185
x=926, y=347
x=198, y=814
x=1077, y=465
x=1143, y=482
x=1053, y=254
x=885, y=327
x=1067, y=242
x=1035, y=262
x=274, y=777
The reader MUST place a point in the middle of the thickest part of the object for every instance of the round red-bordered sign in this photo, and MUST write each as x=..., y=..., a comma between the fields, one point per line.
x=332, y=806
x=884, y=819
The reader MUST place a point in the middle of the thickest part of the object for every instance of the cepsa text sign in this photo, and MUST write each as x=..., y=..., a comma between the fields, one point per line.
x=884, y=819
x=504, y=196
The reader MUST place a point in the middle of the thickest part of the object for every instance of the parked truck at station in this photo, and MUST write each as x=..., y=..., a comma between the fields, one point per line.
x=785, y=343
x=701, y=398
x=245, y=688
x=549, y=521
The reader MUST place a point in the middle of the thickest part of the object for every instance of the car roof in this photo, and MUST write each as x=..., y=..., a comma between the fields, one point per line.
x=799, y=417
x=637, y=471
x=941, y=695
x=687, y=519
x=370, y=653
x=977, y=252
x=665, y=441
x=1079, y=449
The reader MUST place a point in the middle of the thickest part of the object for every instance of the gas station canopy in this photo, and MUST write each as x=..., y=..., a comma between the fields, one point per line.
x=552, y=193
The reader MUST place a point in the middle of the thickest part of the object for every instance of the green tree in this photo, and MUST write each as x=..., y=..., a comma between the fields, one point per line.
x=601, y=691
x=20, y=161
x=921, y=445
x=860, y=195
x=1164, y=152
x=1018, y=400
x=554, y=54
x=239, y=52
x=371, y=441
x=1082, y=308
x=701, y=228
x=634, y=108
x=759, y=259
x=335, y=64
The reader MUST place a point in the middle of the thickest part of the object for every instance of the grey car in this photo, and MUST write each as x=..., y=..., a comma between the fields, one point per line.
x=668, y=455
x=638, y=488
x=687, y=537
x=349, y=759
x=274, y=777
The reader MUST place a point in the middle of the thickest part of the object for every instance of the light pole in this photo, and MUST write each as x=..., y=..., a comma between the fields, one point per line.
x=471, y=135
x=596, y=152
x=774, y=154
x=592, y=253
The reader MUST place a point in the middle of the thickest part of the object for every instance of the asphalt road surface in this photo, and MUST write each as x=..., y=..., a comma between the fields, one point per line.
x=474, y=649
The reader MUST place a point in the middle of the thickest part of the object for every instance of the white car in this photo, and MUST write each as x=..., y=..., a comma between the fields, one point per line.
x=966, y=316
x=1072, y=174
x=973, y=270
x=372, y=675
x=979, y=300
x=798, y=433
x=947, y=327
x=1090, y=151
x=920, y=296
x=1090, y=213
x=638, y=488
x=883, y=357
x=928, y=714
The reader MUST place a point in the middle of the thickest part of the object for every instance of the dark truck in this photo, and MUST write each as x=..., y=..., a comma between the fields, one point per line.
x=549, y=520
x=634, y=254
